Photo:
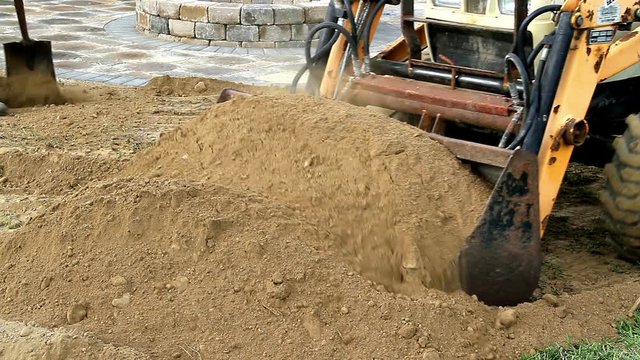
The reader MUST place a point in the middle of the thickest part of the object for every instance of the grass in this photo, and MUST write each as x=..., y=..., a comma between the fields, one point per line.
x=621, y=268
x=9, y=221
x=625, y=347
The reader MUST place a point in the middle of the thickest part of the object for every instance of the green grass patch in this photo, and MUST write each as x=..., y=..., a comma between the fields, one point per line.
x=9, y=221
x=625, y=347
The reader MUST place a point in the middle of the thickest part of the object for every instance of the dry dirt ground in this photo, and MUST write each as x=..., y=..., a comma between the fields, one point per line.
x=153, y=223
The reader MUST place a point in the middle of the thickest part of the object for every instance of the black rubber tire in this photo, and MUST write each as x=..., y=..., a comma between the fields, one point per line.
x=621, y=196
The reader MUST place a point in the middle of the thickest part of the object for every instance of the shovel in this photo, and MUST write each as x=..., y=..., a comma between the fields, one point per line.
x=31, y=78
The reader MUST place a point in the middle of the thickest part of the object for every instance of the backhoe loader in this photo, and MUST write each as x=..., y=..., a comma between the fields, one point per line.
x=513, y=88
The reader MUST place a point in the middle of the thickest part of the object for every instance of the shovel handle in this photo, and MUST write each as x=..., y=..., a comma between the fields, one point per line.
x=22, y=20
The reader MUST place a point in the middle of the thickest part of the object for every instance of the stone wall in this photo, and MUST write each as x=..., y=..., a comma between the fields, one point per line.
x=239, y=23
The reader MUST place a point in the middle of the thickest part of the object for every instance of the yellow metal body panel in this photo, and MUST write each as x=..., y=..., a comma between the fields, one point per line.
x=331, y=75
x=338, y=50
x=620, y=53
x=585, y=67
x=331, y=72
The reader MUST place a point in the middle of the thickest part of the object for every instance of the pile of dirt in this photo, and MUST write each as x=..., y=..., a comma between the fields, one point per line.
x=112, y=121
x=397, y=204
x=269, y=227
x=189, y=86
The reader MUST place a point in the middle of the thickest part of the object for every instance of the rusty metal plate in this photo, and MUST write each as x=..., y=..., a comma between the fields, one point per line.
x=434, y=94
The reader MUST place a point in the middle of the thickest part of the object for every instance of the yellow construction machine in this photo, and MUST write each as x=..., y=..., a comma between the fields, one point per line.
x=511, y=88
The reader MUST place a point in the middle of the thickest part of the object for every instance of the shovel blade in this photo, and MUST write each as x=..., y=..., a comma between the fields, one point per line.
x=32, y=57
x=501, y=261
x=31, y=78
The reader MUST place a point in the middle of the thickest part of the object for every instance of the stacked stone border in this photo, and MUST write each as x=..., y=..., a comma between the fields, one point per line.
x=218, y=23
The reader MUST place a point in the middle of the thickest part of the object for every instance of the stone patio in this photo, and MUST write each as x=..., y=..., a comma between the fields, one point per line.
x=97, y=40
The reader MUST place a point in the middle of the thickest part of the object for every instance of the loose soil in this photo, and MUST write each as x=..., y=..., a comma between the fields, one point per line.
x=154, y=223
x=395, y=203
x=30, y=88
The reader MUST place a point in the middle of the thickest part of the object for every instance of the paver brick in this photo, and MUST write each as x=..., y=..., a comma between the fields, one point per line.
x=225, y=13
x=275, y=33
x=149, y=6
x=210, y=31
x=287, y=14
x=143, y=20
x=226, y=44
x=191, y=41
x=289, y=44
x=242, y=33
x=169, y=8
x=159, y=25
x=181, y=28
x=194, y=11
x=256, y=14
x=259, y=44
x=299, y=32
x=314, y=12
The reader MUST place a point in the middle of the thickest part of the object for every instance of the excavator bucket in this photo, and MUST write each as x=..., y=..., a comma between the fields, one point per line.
x=501, y=260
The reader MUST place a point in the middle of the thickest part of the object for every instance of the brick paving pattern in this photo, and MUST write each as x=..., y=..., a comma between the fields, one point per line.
x=96, y=40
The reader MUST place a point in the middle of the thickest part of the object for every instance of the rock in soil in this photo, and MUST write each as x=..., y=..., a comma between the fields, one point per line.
x=551, y=300
x=280, y=292
x=76, y=313
x=407, y=331
x=118, y=280
x=46, y=281
x=277, y=278
x=431, y=354
x=26, y=331
x=423, y=341
x=506, y=318
x=562, y=312
x=122, y=301
x=200, y=87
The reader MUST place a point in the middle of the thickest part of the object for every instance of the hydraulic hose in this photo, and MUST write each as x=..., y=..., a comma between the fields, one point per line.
x=550, y=79
x=533, y=107
x=533, y=103
x=340, y=30
x=522, y=30
x=335, y=11
x=330, y=16
x=312, y=60
x=351, y=18
x=367, y=32
x=524, y=75
x=321, y=52
x=324, y=50
x=534, y=53
x=514, y=93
